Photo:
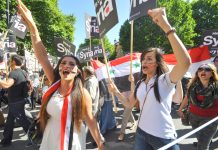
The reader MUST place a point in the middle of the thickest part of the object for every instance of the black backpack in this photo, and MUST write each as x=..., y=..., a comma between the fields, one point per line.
x=28, y=87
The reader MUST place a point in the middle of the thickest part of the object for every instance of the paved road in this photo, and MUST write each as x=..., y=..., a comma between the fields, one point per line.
x=19, y=139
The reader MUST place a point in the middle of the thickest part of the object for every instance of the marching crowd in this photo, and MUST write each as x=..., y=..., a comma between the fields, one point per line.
x=74, y=103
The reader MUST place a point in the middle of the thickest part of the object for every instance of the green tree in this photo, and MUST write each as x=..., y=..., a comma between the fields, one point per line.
x=147, y=34
x=107, y=45
x=205, y=13
x=50, y=21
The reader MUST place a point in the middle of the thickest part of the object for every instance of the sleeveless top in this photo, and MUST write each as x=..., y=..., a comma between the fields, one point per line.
x=51, y=136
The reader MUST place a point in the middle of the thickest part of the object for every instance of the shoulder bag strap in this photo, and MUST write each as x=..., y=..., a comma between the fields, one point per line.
x=144, y=103
x=24, y=74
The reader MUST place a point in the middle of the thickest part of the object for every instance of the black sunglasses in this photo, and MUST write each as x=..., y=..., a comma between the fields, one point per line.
x=207, y=69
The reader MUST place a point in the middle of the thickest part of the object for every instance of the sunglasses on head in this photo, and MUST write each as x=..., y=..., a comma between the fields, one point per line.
x=207, y=69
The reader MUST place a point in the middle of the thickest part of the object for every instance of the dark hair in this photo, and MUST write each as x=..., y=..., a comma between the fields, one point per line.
x=77, y=96
x=161, y=68
x=215, y=59
x=17, y=59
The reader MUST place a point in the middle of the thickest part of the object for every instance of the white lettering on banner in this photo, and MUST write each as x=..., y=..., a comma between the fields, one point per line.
x=215, y=33
x=208, y=40
x=134, y=4
x=94, y=27
x=88, y=25
x=86, y=55
x=98, y=51
x=10, y=44
x=19, y=26
x=104, y=11
x=61, y=47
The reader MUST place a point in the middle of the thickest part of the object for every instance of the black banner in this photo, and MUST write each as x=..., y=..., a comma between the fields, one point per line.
x=210, y=38
x=106, y=13
x=140, y=8
x=10, y=43
x=63, y=47
x=18, y=27
x=85, y=54
x=91, y=27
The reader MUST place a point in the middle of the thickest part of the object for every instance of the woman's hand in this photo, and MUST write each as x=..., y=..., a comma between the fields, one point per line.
x=101, y=146
x=112, y=88
x=26, y=14
x=159, y=17
x=180, y=113
x=131, y=78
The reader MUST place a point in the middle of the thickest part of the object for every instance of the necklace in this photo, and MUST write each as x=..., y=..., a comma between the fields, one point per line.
x=59, y=95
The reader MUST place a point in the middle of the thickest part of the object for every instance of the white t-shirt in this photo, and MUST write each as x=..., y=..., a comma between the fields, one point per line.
x=155, y=117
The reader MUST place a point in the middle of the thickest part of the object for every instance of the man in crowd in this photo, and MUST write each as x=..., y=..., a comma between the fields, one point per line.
x=16, y=99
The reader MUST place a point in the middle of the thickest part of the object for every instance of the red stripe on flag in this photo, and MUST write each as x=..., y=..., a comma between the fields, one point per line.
x=97, y=64
x=197, y=54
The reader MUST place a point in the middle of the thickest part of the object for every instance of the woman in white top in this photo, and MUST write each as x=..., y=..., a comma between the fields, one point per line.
x=156, y=88
x=66, y=104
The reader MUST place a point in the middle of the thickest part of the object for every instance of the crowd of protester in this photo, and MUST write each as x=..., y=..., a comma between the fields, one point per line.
x=156, y=91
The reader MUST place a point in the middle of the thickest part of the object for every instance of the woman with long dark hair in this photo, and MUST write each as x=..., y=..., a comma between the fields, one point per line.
x=202, y=98
x=156, y=88
x=66, y=104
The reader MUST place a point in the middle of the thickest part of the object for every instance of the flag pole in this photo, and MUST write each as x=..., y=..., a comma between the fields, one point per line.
x=131, y=51
x=107, y=68
x=90, y=45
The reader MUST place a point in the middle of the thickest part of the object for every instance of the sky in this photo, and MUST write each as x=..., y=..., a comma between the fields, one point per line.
x=79, y=7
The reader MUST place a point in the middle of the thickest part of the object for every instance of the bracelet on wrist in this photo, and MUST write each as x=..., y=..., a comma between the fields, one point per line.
x=172, y=30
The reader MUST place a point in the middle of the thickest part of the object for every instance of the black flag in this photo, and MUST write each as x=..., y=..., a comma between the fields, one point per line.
x=140, y=8
x=18, y=27
x=64, y=47
x=106, y=13
x=210, y=38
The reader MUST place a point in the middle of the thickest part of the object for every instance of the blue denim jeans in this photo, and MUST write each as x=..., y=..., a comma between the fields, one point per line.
x=145, y=141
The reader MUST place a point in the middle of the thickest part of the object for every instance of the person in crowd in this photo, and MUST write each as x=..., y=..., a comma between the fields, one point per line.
x=107, y=119
x=156, y=88
x=202, y=96
x=35, y=92
x=91, y=84
x=215, y=62
x=127, y=116
x=66, y=104
x=16, y=99
x=177, y=96
x=45, y=84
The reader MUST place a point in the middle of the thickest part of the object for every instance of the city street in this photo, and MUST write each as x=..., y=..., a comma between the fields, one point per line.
x=19, y=139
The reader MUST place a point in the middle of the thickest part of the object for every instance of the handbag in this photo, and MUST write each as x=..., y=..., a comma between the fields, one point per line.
x=185, y=120
x=34, y=133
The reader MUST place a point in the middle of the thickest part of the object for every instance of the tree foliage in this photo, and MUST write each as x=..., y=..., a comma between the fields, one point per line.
x=147, y=34
x=205, y=13
x=50, y=21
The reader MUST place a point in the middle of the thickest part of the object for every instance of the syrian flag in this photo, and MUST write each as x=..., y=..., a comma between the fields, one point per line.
x=199, y=55
x=119, y=69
